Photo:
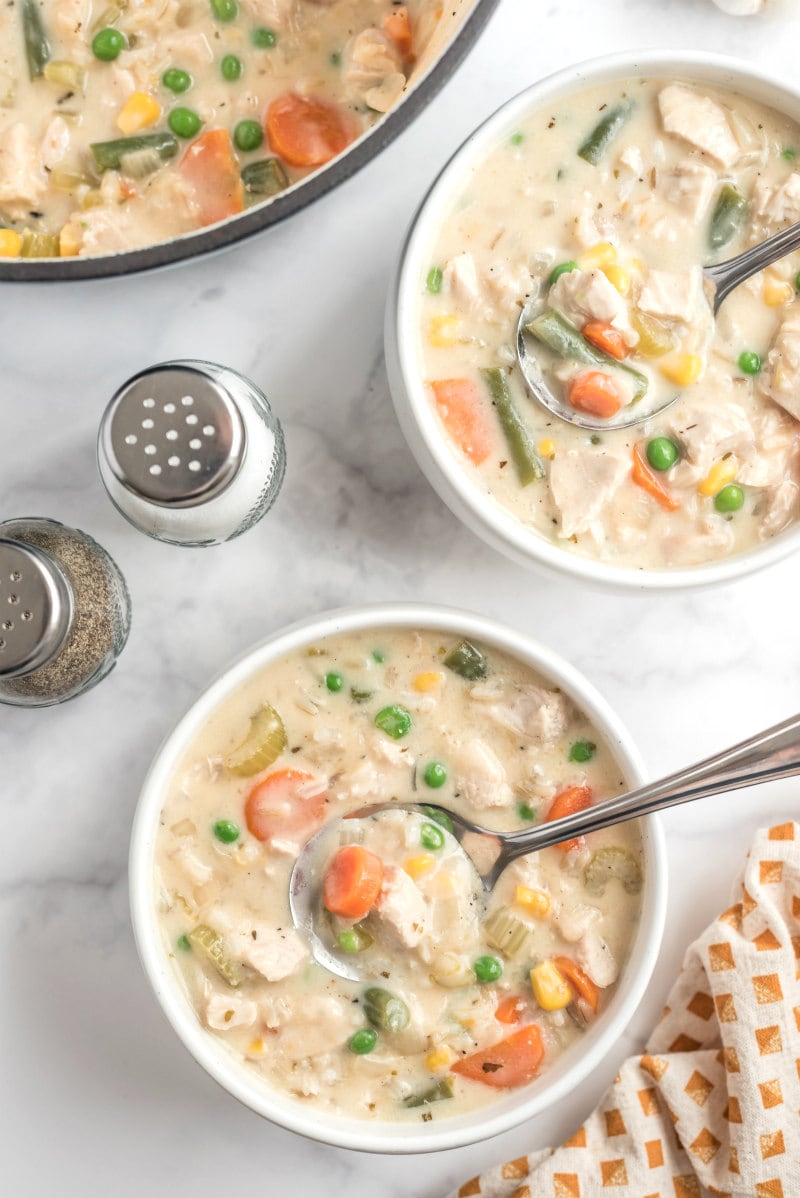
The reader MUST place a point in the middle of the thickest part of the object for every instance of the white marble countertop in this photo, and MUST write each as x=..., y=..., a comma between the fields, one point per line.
x=97, y=1095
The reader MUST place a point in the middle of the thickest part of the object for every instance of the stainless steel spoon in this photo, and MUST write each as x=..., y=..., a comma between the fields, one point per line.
x=766, y=757
x=719, y=281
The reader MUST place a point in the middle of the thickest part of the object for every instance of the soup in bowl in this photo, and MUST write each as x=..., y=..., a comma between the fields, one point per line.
x=592, y=202
x=470, y=1011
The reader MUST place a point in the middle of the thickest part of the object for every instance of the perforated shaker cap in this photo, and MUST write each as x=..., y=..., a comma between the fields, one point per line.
x=35, y=608
x=173, y=435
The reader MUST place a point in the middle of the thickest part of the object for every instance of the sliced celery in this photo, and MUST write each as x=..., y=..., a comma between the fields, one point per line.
x=263, y=744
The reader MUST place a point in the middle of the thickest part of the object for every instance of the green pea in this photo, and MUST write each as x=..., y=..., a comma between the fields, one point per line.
x=226, y=831
x=184, y=944
x=335, y=59
x=435, y=775
x=354, y=940
x=362, y=1041
x=263, y=39
x=184, y=122
x=582, y=750
x=525, y=811
x=439, y=817
x=225, y=10
x=248, y=136
x=231, y=68
x=108, y=44
x=729, y=499
x=797, y=281
x=334, y=682
x=563, y=268
x=789, y=153
x=176, y=80
x=431, y=836
x=488, y=969
x=749, y=362
x=379, y=656
x=434, y=280
x=517, y=139
x=394, y=720
x=662, y=453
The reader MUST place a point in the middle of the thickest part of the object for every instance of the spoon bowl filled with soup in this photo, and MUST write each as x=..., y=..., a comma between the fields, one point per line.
x=573, y=229
x=464, y=1012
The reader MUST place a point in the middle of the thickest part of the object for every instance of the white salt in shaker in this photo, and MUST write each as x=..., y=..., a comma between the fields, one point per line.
x=191, y=453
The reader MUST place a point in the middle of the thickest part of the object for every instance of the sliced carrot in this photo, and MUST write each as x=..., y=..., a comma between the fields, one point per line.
x=286, y=803
x=463, y=413
x=511, y=1062
x=210, y=168
x=352, y=882
x=574, y=798
x=606, y=337
x=595, y=392
x=646, y=478
x=398, y=26
x=579, y=980
x=305, y=131
x=510, y=1009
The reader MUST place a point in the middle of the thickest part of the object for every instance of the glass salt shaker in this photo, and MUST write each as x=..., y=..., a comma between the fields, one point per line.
x=191, y=453
x=64, y=612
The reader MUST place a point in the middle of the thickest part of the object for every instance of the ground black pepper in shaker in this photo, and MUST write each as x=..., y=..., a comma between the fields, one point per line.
x=64, y=612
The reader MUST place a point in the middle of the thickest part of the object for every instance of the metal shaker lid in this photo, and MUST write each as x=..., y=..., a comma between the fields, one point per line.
x=35, y=608
x=173, y=436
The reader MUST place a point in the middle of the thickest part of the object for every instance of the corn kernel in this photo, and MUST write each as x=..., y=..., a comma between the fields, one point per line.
x=10, y=243
x=257, y=1047
x=547, y=447
x=442, y=331
x=618, y=277
x=415, y=867
x=138, y=112
x=776, y=293
x=430, y=680
x=601, y=255
x=535, y=902
x=720, y=474
x=682, y=369
x=440, y=1059
x=69, y=240
x=550, y=988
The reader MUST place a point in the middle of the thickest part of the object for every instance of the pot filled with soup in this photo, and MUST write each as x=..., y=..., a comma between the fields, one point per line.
x=464, y=1011
x=591, y=204
x=133, y=134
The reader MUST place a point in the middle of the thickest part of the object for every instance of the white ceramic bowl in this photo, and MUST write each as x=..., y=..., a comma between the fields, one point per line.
x=567, y=1072
x=488, y=519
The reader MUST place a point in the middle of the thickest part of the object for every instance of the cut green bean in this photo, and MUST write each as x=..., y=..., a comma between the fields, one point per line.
x=468, y=661
x=529, y=466
x=444, y=1088
x=264, y=178
x=108, y=155
x=727, y=217
x=37, y=47
x=604, y=132
x=385, y=1010
x=558, y=335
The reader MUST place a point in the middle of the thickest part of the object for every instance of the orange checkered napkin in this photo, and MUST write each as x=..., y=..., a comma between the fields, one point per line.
x=713, y=1107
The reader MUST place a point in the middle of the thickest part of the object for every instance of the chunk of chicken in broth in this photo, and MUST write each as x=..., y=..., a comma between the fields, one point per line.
x=600, y=211
x=449, y=975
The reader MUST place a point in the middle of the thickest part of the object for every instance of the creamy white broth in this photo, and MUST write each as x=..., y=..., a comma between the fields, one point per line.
x=56, y=198
x=636, y=222
x=505, y=742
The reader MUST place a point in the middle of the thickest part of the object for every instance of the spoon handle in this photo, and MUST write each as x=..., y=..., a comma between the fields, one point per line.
x=766, y=757
x=727, y=275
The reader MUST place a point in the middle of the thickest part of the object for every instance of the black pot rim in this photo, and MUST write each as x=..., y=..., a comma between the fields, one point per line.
x=256, y=220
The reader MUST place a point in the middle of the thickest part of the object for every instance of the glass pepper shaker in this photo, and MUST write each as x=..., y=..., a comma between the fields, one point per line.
x=191, y=453
x=64, y=612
